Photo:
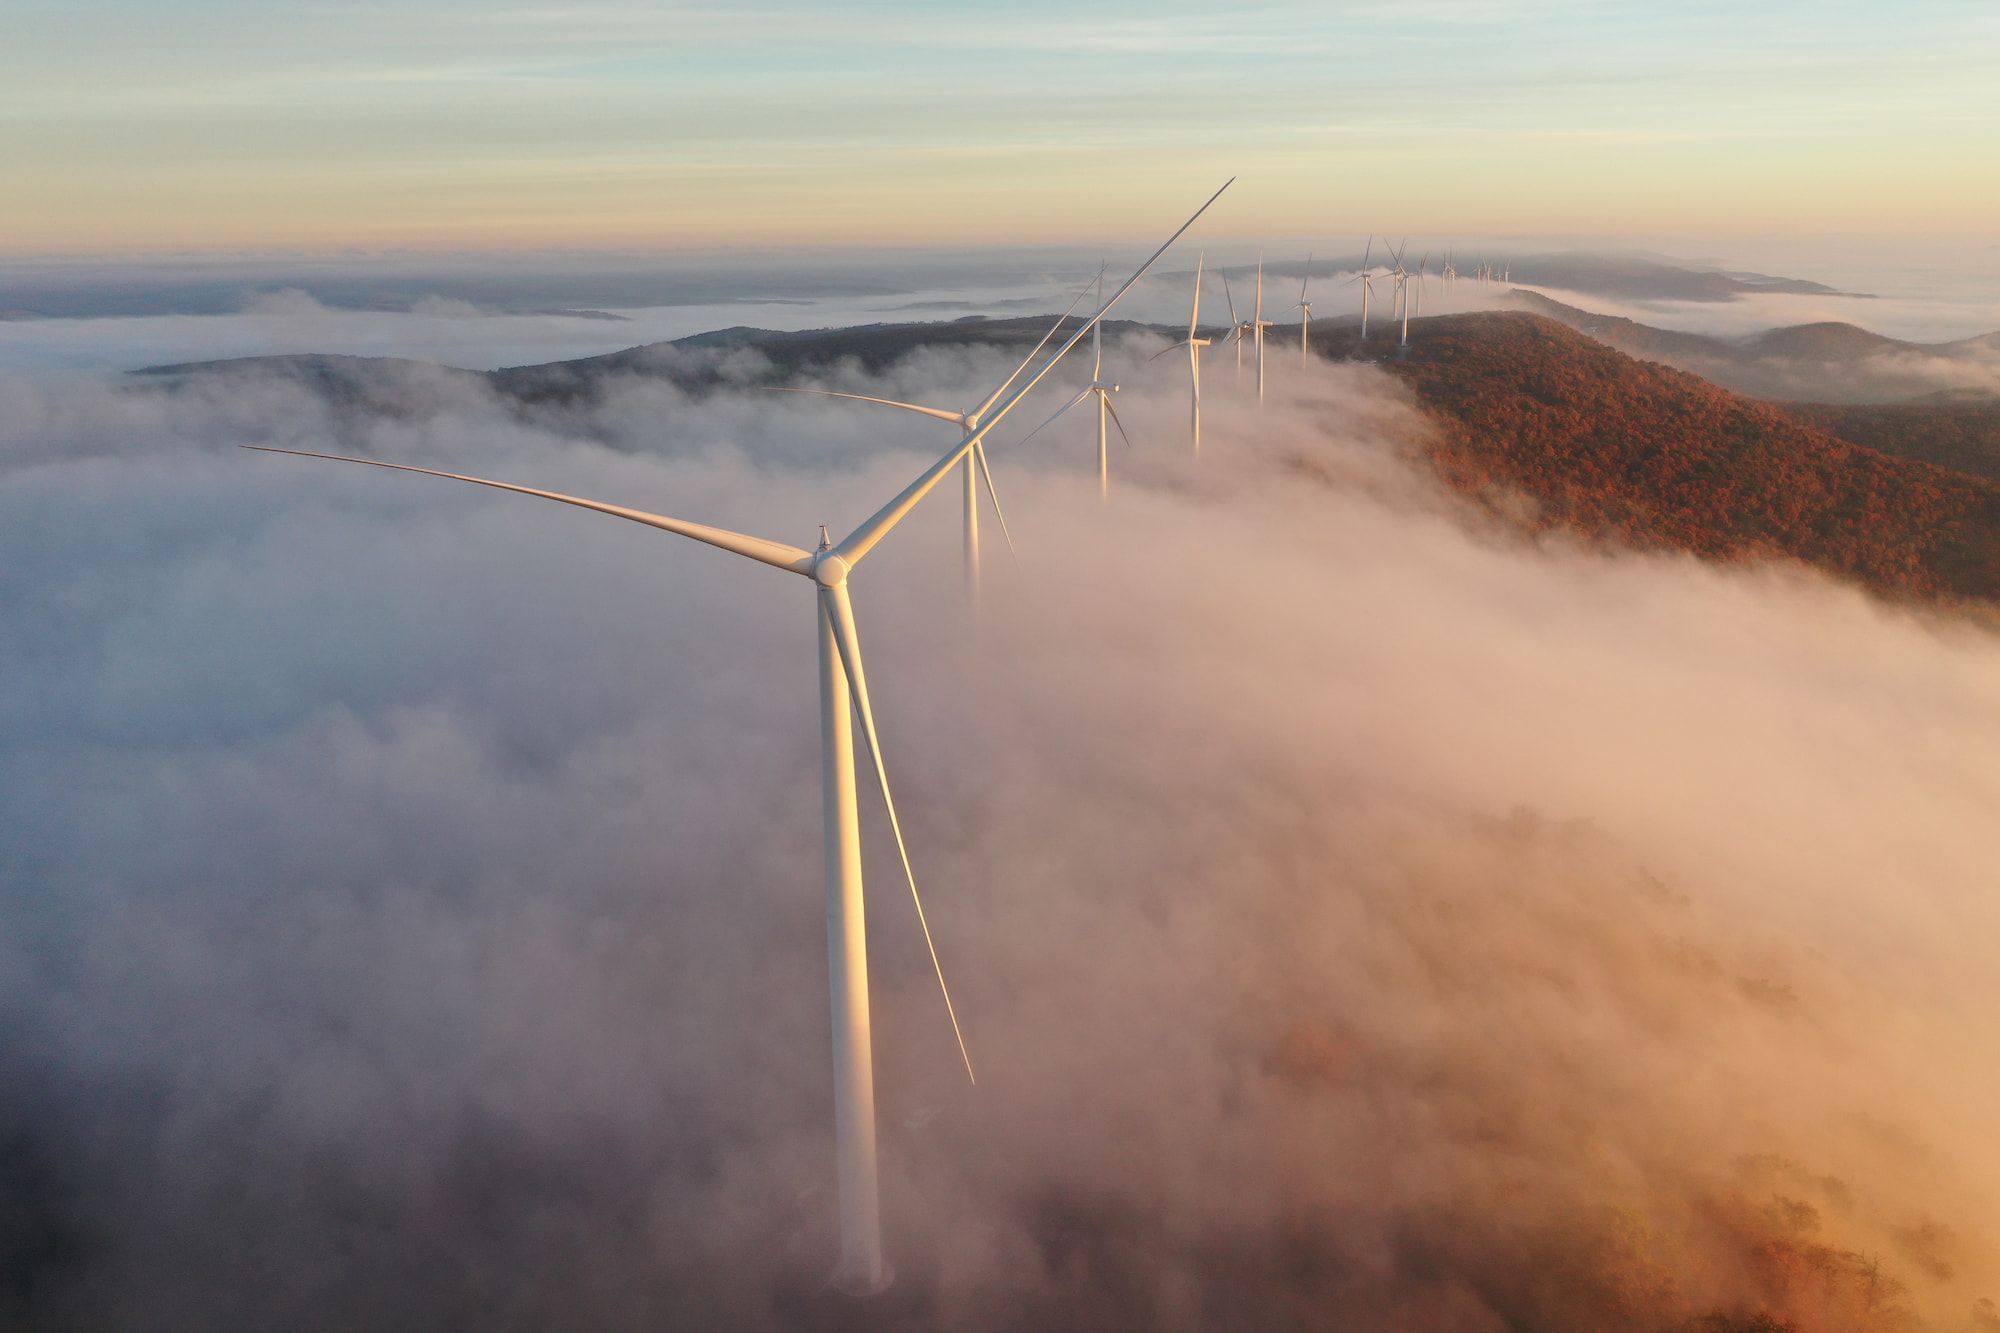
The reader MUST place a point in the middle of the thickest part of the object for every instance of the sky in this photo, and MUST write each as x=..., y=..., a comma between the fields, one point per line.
x=226, y=126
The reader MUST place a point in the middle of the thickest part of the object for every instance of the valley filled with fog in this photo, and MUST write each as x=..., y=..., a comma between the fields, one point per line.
x=414, y=892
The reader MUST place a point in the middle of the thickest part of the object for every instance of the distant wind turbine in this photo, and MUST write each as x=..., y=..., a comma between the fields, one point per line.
x=1366, y=277
x=1194, y=344
x=1401, y=308
x=1239, y=329
x=1101, y=389
x=1304, y=307
x=1258, y=324
x=843, y=693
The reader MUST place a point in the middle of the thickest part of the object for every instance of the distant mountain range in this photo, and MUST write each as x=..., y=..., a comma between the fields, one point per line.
x=1622, y=277
x=589, y=287
x=1824, y=362
x=1595, y=442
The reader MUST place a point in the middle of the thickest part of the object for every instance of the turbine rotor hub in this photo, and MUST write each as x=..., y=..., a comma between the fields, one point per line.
x=830, y=571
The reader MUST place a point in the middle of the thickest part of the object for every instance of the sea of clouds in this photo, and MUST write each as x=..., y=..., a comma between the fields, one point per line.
x=1360, y=919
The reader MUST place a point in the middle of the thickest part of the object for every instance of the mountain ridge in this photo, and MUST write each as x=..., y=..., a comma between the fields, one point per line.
x=1609, y=448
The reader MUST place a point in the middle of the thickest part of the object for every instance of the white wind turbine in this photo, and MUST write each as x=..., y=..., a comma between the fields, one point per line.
x=974, y=468
x=1305, y=309
x=1100, y=389
x=1258, y=324
x=1194, y=344
x=1402, y=305
x=1366, y=277
x=843, y=693
x=1239, y=329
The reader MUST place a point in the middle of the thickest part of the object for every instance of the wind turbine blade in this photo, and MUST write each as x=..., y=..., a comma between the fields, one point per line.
x=858, y=543
x=994, y=397
x=954, y=417
x=1116, y=422
x=1080, y=396
x=1229, y=297
x=1306, y=278
x=986, y=474
x=849, y=643
x=1170, y=347
x=773, y=553
x=1369, y=252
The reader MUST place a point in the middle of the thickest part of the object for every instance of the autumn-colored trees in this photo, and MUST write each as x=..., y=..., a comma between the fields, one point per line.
x=1625, y=450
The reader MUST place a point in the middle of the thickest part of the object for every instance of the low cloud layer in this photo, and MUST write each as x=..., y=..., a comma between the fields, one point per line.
x=1818, y=364
x=1360, y=919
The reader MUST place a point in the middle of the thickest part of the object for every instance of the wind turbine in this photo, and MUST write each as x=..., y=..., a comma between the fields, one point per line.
x=843, y=693
x=1194, y=344
x=1403, y=297
x=1101, y=389
x=1304, y=307
x=1402, y=306
x=1238, y=329
x=1258, y=324
x=1366, y=278
x=975, y=467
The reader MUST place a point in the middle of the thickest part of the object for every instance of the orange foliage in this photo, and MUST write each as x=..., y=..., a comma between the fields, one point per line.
x=1637, y=453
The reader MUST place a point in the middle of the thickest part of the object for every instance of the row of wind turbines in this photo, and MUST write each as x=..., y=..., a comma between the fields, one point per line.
x=1407, y=296
x=844, y=697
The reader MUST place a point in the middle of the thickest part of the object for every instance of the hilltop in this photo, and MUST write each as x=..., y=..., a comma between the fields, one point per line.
x=874, y=347
x=1603, y=445
x=1822, y=362
x=1621, y=450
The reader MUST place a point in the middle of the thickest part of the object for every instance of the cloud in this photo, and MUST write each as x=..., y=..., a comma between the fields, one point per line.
x=1360, y=918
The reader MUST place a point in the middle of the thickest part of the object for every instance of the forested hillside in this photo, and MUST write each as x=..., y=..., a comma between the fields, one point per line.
x=1627, y=451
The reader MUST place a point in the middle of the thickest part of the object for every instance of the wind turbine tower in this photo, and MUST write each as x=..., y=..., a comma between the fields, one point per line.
x=1258, y=323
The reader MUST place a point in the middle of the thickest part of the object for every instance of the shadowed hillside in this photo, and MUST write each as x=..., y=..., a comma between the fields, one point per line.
x=872, y=346
x=1963, y=434
x=1621, y=450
